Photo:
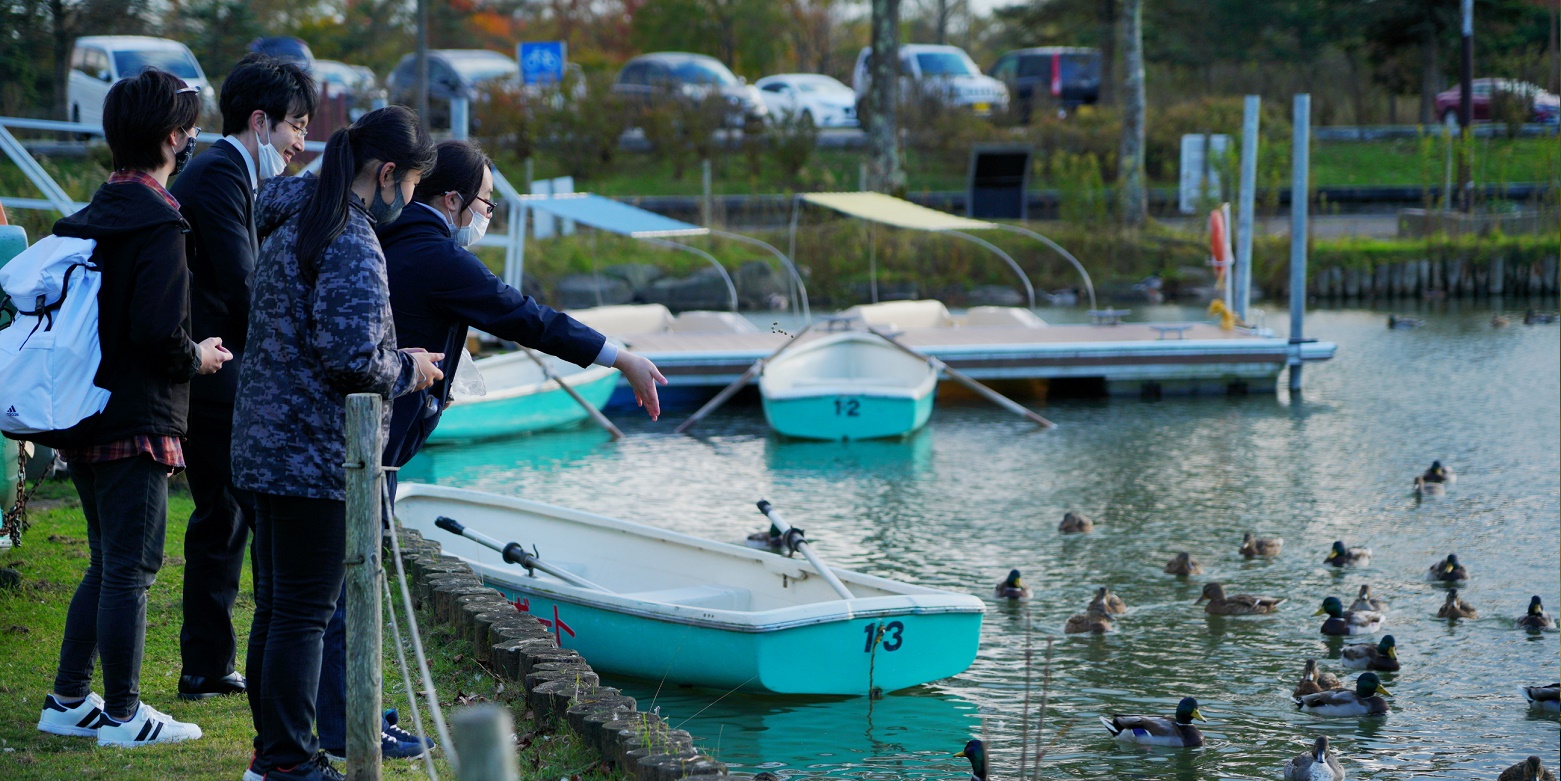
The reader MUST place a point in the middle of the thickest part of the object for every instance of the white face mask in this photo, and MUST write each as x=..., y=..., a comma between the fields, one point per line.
x=468, y=235
x=269, y=162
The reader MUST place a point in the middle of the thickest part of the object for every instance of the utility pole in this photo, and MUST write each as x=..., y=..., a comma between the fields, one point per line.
x=422, y=61
x=1466, y=108
x=883, y=94
x=943, y=21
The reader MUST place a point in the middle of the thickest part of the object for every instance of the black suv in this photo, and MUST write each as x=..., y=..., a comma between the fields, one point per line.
x=1062, y=76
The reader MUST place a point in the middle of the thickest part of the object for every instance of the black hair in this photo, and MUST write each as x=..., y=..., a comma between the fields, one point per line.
x=459, y=170
x=261, y=82
x=140, y=112
x=388, y=135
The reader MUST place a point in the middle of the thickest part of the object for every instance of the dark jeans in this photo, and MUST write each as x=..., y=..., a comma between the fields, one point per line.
x=332, y=697
x=299, y=547
x=213, y=546
x=126, y=505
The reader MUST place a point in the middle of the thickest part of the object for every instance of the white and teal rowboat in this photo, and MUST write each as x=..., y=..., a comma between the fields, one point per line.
x=850, y=385
x=521, y=398
x=684, y=610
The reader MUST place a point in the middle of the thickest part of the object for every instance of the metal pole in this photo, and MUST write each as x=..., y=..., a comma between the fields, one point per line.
x=460, y=117
x=1300, y=192
x=1243, y=275
x=364, y=600
x=422, y=61
x=1466, y=106
x=1029, y=289
x=704, y=203
x=796, y=278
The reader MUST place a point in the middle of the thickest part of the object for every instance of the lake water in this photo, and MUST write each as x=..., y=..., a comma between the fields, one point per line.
x=979, y=492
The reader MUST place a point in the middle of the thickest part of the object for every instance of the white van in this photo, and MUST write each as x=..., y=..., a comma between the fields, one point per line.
x=945, y=72
x=100, y=60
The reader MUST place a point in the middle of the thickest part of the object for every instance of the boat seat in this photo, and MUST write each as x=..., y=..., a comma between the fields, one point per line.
x=698, y=596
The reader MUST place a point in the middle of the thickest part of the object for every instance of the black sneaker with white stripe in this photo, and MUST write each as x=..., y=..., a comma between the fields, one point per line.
x=146, y=727
x=80, y=719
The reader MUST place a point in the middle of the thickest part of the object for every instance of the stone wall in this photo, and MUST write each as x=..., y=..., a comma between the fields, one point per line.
x=559, y=684
x=1445, y=277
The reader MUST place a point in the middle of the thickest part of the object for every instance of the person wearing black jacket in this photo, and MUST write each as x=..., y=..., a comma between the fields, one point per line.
x=121, y=458
x=266, y=105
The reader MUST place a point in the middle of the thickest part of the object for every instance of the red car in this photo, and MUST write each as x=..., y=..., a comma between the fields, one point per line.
x=1544, y=107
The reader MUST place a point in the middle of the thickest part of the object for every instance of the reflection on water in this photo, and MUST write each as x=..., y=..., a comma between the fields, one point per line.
x=979, y=492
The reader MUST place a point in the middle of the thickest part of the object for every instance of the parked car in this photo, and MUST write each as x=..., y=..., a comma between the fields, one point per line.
x=943, y=72
x=815, y=98
x=1543, y=106
x=285, y=48
x=100, y=60
x=651, y=77
x=355, y=84
x=451, y=72
x=1064, y=76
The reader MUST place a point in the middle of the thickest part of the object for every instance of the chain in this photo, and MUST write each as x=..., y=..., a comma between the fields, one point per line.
x=16, y=517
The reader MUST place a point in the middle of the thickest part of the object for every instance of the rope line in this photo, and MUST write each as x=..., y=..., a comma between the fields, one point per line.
x=429, y=693
x=406, y=674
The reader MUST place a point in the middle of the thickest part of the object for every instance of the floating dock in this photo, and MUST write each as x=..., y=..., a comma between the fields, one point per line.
x=1127, y=359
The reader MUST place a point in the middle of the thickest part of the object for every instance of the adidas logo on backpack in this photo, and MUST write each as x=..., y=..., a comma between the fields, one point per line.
x=49, y=354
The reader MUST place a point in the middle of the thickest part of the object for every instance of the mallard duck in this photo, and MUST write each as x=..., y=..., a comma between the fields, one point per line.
x=1088, y=622
x=1107, y=602
x=1156, y=731
x=1543, y=697
x=1367, y=602
x=768, y=538
x=1394, y=321
x=1531, y=769
x=1539, y=318
x=1319, y=764
x=1235, y=605
x=975, y=751
x=1340, y=556
x=1499, y=320
x=1365, y=656
x=1314, y=680
x=1183, y=564
x=1447, y=570
x=1437, y=473
x=1348, y=622
x=1365, y=700
x=1260, y=546
x=1074, y=523
x=1535, y=618
x=1012, y=587
x=1455, y=607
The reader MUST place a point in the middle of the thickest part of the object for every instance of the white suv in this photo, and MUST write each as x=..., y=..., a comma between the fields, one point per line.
x=100, y=60
x=944, y=72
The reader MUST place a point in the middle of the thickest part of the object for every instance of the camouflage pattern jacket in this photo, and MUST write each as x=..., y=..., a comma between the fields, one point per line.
x=309, y=347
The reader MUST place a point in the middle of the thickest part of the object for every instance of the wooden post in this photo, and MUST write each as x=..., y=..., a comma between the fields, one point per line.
x=364, y=676
x=484, y=739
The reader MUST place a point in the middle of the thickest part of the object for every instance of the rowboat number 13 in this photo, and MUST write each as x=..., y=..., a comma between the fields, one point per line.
x=893, y=636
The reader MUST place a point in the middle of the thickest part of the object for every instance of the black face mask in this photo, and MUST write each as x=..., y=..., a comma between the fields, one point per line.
x=182, y=157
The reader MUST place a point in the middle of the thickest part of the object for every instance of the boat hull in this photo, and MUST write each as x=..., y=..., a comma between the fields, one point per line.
x=547, y=408
x=847, y=416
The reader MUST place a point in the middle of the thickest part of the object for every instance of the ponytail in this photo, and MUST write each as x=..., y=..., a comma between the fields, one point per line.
x=388, y=135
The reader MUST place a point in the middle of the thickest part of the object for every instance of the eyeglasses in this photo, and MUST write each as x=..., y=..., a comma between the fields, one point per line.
x=303, y=130
x=195, y=132
x=186, y=91
x=487, y=212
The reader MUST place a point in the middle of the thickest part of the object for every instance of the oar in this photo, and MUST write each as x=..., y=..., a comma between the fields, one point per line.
x=595, y=413
x=515, y=554
x=794, y=540
x=965, y=380
x=737, y=384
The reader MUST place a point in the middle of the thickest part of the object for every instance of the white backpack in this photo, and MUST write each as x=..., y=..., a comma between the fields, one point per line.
x=49, y=355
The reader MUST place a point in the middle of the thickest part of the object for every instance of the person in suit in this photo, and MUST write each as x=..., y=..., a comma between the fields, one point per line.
x=265, y=105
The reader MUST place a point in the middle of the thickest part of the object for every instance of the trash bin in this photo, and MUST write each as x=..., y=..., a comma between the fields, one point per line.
x=999, y=181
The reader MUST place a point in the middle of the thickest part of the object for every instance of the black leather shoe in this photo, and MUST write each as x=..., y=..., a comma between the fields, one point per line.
x=196, y=687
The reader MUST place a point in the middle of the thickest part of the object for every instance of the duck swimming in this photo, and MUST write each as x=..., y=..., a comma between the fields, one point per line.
x=1107, y=602
x=1183, y=564
x=1235, y=605
x=1367, y=602
x=1447, y=570
x=1340, y=556
x=1543, y=697
x=1455, y=607
x=1535, y=618
x=1156, y=731
x=1394, y=321
x=1365, y=656
x=1314, y=680
x=1531, y=317
x=1531, y=769
x=1343, y=622
x=1259, y=546
x=975, y=751
x=1012, y=587
x=1499, y=320
x=1089, y=622
x=1437, y=473
x=1319, y=764
x=1365, y=700
x=1074, y=523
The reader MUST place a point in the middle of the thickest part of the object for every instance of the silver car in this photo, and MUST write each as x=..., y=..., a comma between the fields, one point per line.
x=662, y=75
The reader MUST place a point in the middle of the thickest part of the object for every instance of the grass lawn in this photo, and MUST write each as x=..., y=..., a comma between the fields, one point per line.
x=1418, y=162
x=32, y=618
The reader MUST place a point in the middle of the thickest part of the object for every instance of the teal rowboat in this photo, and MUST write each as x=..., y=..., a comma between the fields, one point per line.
x=701, y=613
x=520, y=398
x=850, y=385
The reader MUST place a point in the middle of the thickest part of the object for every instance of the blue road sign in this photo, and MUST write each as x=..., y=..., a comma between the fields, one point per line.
x=542, y=62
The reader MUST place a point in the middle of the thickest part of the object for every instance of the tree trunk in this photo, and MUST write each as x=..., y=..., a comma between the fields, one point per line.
x=1106, y=17
x=883, y=133
x=1430, y=78
x=943, y=21
x=63, y=37
x=1130, y=165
